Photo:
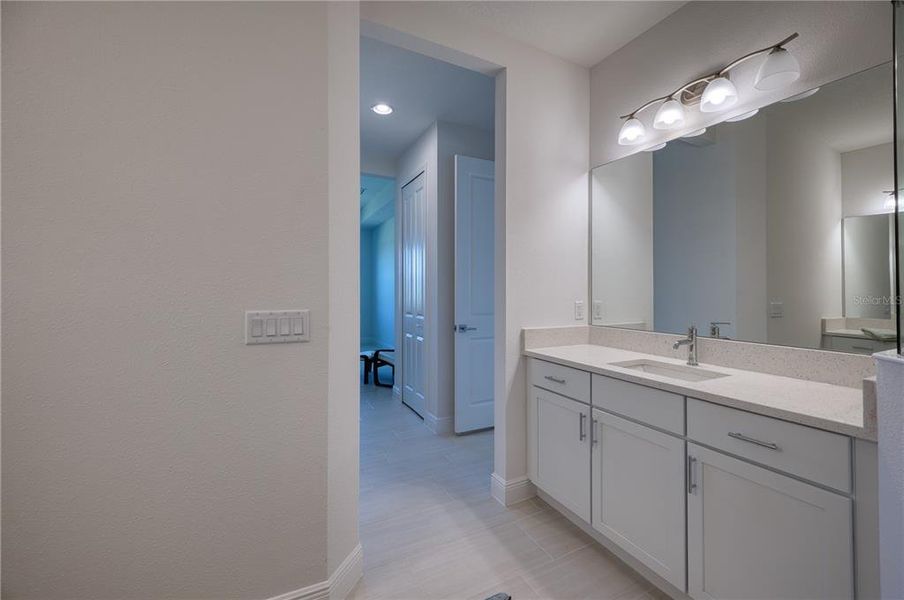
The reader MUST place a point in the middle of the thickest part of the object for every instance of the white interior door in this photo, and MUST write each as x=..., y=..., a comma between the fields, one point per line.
x=414, y=219
x=474, y=236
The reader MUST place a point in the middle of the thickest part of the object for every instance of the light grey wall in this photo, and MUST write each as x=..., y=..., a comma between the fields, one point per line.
x=166, y=167
x=836, y=39
x=804, y=225
x=866, y=174
x=622, y=244
x=695, y=248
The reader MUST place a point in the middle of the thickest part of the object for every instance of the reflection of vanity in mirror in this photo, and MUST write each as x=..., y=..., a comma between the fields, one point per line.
x=773, y=229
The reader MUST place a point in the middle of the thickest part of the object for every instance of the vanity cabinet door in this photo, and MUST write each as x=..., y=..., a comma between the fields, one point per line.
x=753, y=533
x=638, y=493
x=563, y=450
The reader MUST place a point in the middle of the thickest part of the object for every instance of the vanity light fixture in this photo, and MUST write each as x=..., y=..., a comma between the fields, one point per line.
x=778, y=70
x=382, y=109
x=714, y=92
x=669, y=116
x=800, y=96
x=743, y=116
x=632, y=132
x=694, y=133
x=719, y=94
x=655, y=148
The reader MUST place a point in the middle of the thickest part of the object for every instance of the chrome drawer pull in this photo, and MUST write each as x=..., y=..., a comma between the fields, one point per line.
x=744, y=438
x=581, y=434
x=554, y=379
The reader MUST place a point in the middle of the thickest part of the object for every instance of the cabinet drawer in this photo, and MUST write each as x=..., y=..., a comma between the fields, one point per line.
x=561, y=380
x=813, y=454
x=855, y=345
x=645, y=404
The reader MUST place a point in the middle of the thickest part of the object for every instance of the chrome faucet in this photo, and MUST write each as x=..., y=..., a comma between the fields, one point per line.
x=691, y=342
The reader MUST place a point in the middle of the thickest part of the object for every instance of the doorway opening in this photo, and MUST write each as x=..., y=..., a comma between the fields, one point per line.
x=428, y=194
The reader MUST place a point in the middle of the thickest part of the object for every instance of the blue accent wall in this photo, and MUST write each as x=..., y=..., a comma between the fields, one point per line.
x=378, y=285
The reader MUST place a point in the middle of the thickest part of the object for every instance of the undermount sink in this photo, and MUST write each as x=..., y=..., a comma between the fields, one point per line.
x=663, y=369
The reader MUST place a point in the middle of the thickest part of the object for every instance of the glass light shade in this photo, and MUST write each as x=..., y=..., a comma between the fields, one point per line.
x=655, y=148
x=694, y=133
x=669, y=115
x=743, y=116
x=632, y=132
x=719, y=94
x=800, y=96
x=778, y=70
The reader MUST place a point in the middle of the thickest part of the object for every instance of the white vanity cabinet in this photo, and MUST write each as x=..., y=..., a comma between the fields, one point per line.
x=718, y=502
x=755, y=533
x=563, y=450
x=638, y=493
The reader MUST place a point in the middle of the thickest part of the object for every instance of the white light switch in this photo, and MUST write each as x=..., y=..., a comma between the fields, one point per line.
x=277, y=326
x=776, y=309
x=578, y=310
x=597, y=309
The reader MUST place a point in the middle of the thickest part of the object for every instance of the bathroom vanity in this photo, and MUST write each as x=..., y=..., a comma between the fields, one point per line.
x=714, y=482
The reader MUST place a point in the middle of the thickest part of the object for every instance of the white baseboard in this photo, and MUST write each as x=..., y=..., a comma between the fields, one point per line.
x=512, y=491
x=439, y=426
x=337, y=587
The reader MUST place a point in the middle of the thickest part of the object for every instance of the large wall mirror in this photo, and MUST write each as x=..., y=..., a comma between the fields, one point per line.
x=773, y=229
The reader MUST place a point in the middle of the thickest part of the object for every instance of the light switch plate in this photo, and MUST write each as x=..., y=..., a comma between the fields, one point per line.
x=578, y=310
x=776, y=309
x=597, y=309
x=277, y=326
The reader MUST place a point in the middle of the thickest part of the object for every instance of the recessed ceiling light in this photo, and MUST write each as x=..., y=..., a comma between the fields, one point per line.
x=381, y=109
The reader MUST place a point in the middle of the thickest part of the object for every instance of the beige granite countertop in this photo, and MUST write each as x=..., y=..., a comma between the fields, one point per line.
x=821, y=405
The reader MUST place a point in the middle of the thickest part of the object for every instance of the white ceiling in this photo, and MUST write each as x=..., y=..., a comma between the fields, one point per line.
x=421, y=90
x=581, y=32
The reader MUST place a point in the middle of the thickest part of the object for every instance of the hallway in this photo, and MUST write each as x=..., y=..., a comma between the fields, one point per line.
x=430, y=528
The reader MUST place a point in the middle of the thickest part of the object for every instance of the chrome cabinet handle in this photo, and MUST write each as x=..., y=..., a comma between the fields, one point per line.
x=593, y=437
x=691, y=474
x=554, y=379
x=581, y=434
x=750, y=440
x=464, y=328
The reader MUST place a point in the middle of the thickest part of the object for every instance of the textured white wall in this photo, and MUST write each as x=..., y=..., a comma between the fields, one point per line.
x=343, y=23
x=166, y=167
x=836, y=39
x=542, y=201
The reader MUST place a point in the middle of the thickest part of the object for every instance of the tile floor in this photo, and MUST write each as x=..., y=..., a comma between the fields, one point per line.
x=430, y=529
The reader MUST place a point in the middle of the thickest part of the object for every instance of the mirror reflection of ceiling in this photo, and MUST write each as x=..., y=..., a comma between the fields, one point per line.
x=849, y=114
x=420, y=90
x=377, y=200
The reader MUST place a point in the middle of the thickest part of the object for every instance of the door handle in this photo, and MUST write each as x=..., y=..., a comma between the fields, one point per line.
x=691, y=474
x=464, y=328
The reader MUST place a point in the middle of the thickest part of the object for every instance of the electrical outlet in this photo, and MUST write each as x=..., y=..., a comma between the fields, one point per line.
x=578, y=310
x=597, y=309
